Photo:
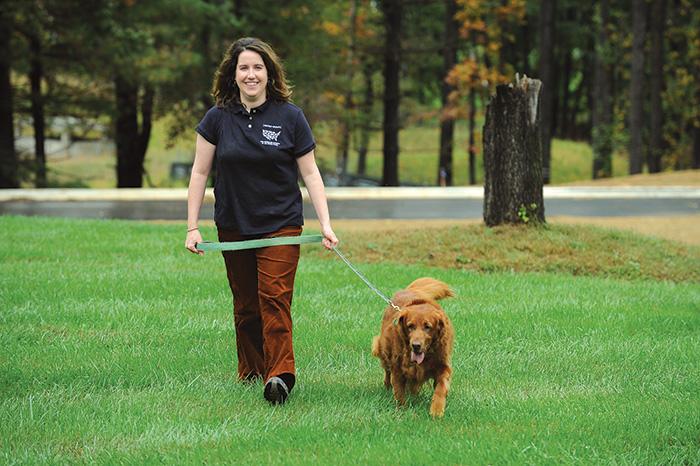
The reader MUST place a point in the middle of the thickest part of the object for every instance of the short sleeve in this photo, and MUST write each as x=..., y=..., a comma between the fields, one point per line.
x=303, y=137
x=210, y=125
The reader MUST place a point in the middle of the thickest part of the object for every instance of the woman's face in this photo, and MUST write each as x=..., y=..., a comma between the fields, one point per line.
x=251, y=77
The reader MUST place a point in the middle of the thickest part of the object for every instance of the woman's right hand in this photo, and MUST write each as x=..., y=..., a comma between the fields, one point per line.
x=194, y=237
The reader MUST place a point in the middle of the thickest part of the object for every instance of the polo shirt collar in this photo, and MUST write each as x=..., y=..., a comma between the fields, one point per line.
x=239, y=108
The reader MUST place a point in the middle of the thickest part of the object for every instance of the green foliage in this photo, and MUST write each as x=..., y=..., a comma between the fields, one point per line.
x=526, y=211
x=119, y=348
x=681, y=98
x=175, y=46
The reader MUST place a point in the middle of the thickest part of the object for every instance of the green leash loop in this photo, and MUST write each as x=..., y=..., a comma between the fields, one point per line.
x=258, y=243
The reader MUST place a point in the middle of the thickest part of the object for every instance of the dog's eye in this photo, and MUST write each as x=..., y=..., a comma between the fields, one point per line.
x=411, y=326
x=427, y=326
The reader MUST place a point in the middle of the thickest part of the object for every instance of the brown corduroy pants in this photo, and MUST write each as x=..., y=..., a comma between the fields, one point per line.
x=262, y=283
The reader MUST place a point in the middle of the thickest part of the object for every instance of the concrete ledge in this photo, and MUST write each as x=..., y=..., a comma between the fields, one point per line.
x=77, y=195
x=339, y=194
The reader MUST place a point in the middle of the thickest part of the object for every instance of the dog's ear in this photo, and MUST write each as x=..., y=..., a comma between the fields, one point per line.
x=439, y=324
x=400, y=322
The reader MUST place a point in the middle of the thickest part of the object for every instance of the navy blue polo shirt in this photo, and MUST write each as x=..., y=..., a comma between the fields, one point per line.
x=257, y=179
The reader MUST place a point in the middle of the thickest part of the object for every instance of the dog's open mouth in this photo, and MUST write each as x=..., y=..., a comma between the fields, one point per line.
x=417, y=357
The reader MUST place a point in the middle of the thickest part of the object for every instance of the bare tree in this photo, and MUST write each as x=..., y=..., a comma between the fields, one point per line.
x=392, y=10
x=349, y=104
x=602, y=101
x=8, y=157
x=656, y=85
x=636, y=118
x=36, y=74
x=130, y=139
x=365, y=117
x=549, y=89
x=449, y=54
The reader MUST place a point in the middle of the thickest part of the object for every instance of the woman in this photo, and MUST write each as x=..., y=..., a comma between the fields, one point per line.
x=261, y=143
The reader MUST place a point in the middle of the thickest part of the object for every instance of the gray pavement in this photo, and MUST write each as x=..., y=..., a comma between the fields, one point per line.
x=356, y=203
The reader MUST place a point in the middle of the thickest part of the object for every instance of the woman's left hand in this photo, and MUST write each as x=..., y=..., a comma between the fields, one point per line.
x=329, y=239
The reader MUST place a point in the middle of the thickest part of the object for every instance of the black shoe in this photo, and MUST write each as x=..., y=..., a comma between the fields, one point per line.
x=276, y=391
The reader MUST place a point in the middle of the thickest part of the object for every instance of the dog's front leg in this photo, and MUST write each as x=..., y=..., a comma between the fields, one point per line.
x=442, y=386
x=398, y=382
x=387, y=379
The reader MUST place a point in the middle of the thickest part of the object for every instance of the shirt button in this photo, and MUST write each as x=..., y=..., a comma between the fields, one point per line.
x=250, y=118
x=250, y=126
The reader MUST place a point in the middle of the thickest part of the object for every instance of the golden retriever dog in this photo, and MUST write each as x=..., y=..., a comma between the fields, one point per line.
x=415, y=343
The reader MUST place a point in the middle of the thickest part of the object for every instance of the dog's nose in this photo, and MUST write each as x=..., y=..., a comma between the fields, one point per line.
x=416, y=348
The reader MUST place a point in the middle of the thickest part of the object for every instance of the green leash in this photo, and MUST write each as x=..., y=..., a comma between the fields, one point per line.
x=285, y=241
x=258, y=243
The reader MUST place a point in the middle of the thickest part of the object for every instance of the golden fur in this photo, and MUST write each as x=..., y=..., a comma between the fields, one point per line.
x=415, y=343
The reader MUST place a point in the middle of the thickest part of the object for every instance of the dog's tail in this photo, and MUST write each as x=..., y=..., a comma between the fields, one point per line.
x=375, y=346
x=433, y=289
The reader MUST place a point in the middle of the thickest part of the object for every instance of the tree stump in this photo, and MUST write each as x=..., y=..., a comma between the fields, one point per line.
x=513, y=155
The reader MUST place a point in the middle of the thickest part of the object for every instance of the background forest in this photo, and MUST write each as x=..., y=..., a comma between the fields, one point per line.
x=619, y=75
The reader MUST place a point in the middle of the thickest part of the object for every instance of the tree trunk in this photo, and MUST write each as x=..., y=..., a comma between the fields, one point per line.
x=636, y=120
x=238, y=8
x=9, y=177
x=656, y=85
x=392, y=58
x=549, y=88
x=696, y=147
x=449, y=54
x=204, y=71
x=513, y=181
x=36, y=74
x=146, y=125
x=347, y=116
x=472, y=137
x=601, y=132
x=523, y=44
x=129, y=165
x=581, y=98
x=563, y=116
x=365, y=119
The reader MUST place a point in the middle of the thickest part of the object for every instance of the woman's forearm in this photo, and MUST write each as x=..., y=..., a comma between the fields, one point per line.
x=195, y=197
x=314, y=185
x=204, y=156
x=317, y=193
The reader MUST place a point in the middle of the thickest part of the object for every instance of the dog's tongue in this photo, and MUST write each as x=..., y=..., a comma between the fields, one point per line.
x=417, y=358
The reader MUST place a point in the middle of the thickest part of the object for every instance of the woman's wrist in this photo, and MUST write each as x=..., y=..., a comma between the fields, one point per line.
x=192, y=229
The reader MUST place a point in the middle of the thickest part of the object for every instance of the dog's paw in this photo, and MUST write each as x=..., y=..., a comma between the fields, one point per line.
x=437, y=408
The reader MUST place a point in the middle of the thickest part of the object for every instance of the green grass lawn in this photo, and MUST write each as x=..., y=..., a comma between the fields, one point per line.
x=118, y=348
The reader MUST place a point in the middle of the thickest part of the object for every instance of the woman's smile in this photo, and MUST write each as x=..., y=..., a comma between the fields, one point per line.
x=251, y=78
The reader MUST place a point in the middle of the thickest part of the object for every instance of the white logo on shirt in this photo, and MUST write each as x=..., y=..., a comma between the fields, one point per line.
x=270, y=135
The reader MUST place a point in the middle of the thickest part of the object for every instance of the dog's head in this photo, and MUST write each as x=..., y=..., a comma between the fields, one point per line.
x=421, y=327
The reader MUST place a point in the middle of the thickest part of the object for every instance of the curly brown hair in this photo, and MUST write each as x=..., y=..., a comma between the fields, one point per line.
x=225, y=90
